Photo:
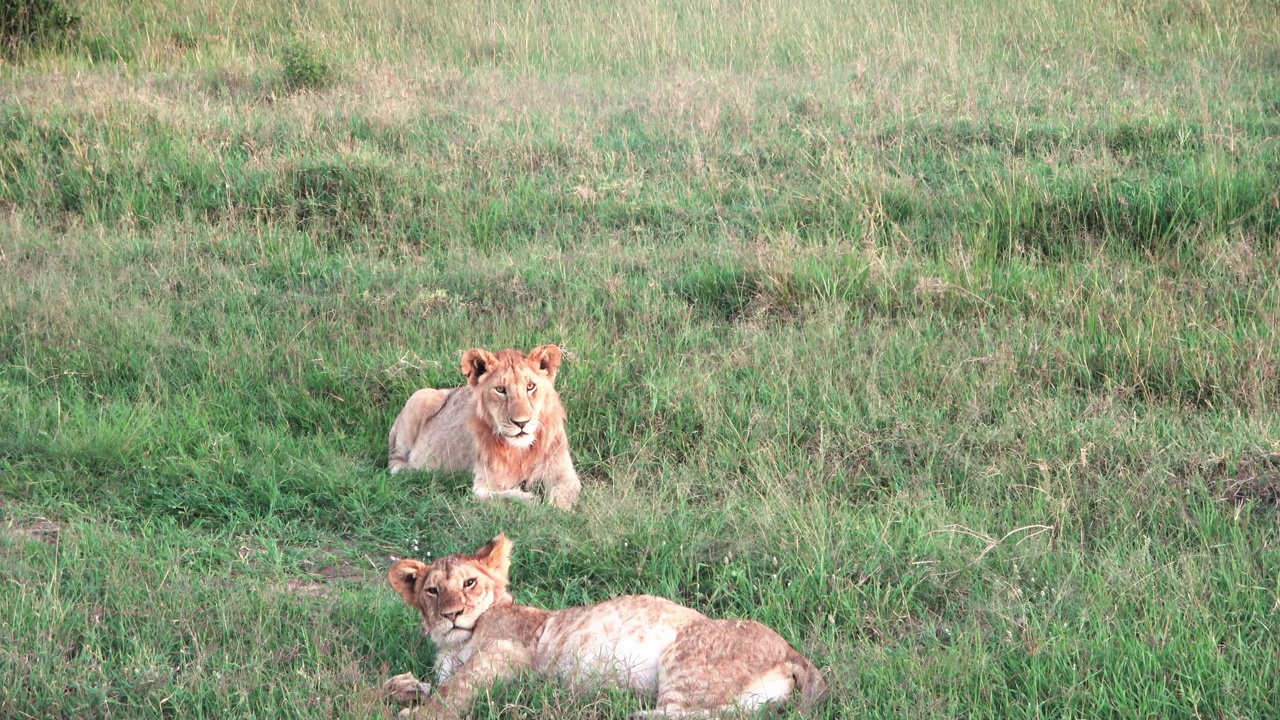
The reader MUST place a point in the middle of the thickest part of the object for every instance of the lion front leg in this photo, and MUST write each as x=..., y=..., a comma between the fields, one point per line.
x=563, y=489
x=559, y=480
x=454, y=698
x=485, y=487
x=406, y=689
x=517, y=494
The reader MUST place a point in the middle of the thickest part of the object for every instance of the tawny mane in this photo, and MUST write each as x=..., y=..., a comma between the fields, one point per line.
x=494, y=449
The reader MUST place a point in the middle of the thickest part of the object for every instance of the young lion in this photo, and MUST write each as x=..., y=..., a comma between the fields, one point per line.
x=507, y=426
x=694, y=665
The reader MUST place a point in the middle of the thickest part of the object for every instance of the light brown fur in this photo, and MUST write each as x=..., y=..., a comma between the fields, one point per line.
x=506, y=426
x=693, y=665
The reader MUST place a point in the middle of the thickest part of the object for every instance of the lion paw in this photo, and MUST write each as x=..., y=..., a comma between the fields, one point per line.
x=518, y=495
x=406, y=689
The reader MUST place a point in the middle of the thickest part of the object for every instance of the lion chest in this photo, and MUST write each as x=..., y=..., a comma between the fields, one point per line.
x=616, y=643
x=506, y=467
x=511, y=466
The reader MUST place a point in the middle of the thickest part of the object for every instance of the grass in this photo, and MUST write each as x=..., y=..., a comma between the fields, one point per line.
x=939, y=337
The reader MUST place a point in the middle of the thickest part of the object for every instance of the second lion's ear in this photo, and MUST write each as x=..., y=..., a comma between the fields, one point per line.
x=496, y=555
x=404, y=578
x=547, y=359
x=475, y=363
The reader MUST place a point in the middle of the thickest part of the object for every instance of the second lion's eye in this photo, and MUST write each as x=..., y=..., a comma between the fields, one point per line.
x=469, y=583
x=501, y=390
x=530, y=387
x=431, y=591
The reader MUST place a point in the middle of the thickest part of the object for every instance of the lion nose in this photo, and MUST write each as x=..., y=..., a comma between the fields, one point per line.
x=452, y=615
x=519, y=423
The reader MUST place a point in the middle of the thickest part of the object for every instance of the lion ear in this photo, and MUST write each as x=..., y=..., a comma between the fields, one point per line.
x=404, y=578
x=475, y=363
x=547, y=359
x=496, y=556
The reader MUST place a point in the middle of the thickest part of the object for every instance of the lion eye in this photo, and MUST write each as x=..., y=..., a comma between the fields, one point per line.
x=470, y=583
x=530, y=387
x=431, y=591
x=501, y=390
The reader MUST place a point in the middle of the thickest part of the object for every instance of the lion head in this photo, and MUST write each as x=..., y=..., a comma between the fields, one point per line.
x=454, y=591
x=512, y=390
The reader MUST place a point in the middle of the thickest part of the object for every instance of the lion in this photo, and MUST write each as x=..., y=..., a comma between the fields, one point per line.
x=507, y=426
x=694, y=665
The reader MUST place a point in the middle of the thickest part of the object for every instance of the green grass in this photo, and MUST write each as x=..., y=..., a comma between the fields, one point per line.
x=941, y=337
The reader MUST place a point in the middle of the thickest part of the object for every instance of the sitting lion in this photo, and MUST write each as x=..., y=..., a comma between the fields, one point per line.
x=507, y=426
x=694, y=665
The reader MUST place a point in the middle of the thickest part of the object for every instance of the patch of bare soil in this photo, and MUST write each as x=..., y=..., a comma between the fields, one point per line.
x=1255, y=479
x=326, y=575
x=37, y=529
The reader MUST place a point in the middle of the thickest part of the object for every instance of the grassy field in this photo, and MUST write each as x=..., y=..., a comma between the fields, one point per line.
x=939, y=336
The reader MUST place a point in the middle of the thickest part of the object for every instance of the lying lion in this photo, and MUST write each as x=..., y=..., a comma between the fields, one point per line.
x=507, y=426
x=694, y=665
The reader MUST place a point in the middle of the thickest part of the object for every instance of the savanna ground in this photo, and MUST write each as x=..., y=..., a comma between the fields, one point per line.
x=939, y=336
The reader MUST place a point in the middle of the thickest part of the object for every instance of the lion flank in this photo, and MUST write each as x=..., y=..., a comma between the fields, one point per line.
x=688, y=663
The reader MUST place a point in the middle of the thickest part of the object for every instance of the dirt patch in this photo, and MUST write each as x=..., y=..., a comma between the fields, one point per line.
x=37, y=529
x=1253, y=479
x=325, y=581
x=307, y=588
x=333, y=567
x=326, y=575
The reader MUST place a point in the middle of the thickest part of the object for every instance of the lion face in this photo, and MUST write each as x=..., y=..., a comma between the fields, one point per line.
x=511, y=389
x=454, y=591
